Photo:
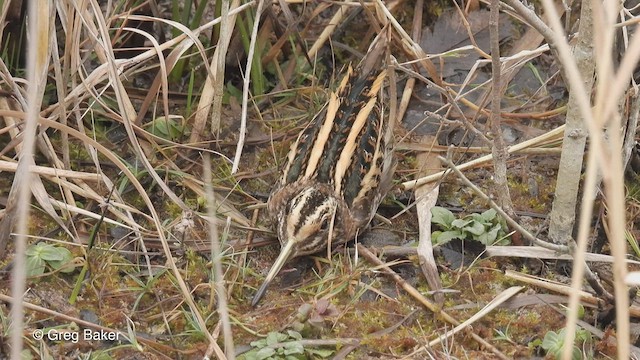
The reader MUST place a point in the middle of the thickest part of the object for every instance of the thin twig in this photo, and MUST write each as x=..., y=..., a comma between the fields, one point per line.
x=499, y=151
x=533, y=19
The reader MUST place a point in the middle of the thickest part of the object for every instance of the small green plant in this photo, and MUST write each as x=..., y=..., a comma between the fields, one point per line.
x=503, y=335
x=314, y=316
x=487, y=228
x=553, y=343
x=171, y=128
x=41, y=255
x=283, y=346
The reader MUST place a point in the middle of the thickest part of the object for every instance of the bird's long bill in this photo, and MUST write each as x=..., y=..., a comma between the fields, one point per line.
x=285, y=253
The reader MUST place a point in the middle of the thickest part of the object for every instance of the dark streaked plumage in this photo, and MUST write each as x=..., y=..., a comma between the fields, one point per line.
x=338, y=170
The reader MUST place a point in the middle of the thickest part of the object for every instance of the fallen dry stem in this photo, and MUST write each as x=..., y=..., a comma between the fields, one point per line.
x=553, y=134
x=497, y=301
x=49, y=171
x=549, y=285
x=499, y=149
x=410, y=146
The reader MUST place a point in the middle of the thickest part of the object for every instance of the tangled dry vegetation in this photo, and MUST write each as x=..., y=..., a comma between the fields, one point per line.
x=158, y=129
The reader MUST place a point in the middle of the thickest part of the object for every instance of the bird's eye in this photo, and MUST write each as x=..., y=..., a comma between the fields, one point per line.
x=325, y=224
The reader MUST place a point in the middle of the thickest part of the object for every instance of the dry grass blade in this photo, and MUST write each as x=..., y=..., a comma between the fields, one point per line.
x=162, y=75
x=410, y=146
x=415, y=33
x=603, y=157
x=129, y=96
x=426, y=198
x=19, y=198
x=224, y=208
x=245, y=88
x=551, y=285
x=127, y=110
x=191, y=39
x=212, y=90
x=410, y=45
x=497, y=301
x=537, y=252
x=326, y=33
x=101, y=149
x=49, y=171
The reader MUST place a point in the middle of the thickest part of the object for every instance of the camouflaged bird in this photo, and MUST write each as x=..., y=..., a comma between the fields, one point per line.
x=339, y=168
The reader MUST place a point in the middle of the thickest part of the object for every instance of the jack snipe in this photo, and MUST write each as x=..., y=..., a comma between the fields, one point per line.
x=338, y=170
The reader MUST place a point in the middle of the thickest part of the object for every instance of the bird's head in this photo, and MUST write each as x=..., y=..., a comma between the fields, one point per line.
x=303, y=228
x=306, y=220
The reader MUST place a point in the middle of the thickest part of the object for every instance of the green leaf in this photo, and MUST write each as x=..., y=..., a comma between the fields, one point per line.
x=323, y=353
x=461, y=223
x=294, y=335
x=26, y=355
x=577, y=354
x=582, y=335
x=477, y=217
x=275, y=337
x=535, y=343
x=475, y=228
x=265, y=353
x=553, y=343
x=259, y=343
x=33, y=250
x=293, y=347
x=489, y=215
x=447, y=236
x=52, y=253
x=231, y=91
x=489, y=237
x=442, y=216
x=272, y=338
x=251, y=355
x=66, y=264
x=44, y=251
x=65, y=254
x=167, y=128
x=35, y=266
